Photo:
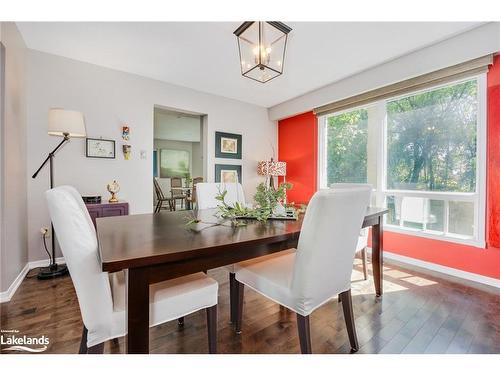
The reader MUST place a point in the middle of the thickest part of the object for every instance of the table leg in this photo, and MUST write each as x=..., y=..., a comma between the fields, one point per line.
x=138, y=311
x=377, y=255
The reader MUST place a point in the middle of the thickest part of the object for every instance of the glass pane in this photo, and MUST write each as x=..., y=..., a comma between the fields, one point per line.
x=436, y=215
x=261, y=74
x=273, y=42
x=347, y=147
x=416, y=213
x=461, y=218
x=248, y=43
x=391, y=217
x=431, y=140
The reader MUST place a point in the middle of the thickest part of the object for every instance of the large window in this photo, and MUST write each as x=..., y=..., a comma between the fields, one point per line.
x=424, y=154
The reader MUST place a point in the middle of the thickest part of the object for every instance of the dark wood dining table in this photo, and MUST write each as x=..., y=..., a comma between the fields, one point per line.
x=158, y=247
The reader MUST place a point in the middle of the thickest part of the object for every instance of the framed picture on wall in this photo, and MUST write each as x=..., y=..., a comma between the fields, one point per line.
x=100, y=148
x=174, y=163
x=227, y=145
x=227, y=173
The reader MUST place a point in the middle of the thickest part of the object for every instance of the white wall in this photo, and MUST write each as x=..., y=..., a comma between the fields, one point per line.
x=109, y=98
x=14, y=252
x=197, y=160
x=467, y=46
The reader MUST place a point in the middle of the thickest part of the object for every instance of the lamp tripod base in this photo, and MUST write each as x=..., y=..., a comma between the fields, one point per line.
x=52, y=271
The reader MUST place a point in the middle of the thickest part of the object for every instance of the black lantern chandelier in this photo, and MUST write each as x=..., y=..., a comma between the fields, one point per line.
x=262, y=48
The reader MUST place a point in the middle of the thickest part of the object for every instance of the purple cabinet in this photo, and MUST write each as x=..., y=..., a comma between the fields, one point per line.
x=107, y=209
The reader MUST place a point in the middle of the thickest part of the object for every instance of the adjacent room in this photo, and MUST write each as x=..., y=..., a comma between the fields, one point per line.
x=238, y=188
x=177, y=158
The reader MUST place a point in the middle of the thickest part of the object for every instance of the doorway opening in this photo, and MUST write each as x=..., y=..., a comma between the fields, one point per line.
x=178, y=158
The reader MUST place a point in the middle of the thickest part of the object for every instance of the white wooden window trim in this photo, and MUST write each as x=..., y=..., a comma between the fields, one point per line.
x=380, y=189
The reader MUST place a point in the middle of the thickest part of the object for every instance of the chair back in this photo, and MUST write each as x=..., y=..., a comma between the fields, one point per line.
x=207, y=191
x=327, y=245
x=159, y=193
x=196, y=181
x=77, y=238
x=176, y=182
x=364, y=231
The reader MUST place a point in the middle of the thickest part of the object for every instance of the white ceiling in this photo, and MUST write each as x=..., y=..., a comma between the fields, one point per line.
x=204, y=55
x=176, y=126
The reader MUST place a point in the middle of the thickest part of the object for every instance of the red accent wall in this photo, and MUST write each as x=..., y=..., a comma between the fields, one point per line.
x=493, y=185
x=297, y=137
x=298, y=146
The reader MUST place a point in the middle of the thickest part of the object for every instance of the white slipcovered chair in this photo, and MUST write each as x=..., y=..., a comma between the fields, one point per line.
x=363, y=234
x=102, y=304
x=321, y=267
x=207, y=191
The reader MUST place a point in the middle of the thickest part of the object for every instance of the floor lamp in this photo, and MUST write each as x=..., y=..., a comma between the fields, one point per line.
x=66, y=124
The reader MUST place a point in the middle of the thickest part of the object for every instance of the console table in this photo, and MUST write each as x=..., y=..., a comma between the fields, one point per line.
x=107, y=209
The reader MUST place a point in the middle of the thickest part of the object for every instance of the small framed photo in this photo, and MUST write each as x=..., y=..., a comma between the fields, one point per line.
x=227, y=145
x=100, y=148
x=227, y=173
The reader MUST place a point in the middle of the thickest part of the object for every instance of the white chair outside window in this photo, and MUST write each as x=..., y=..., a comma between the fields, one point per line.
x=321, y=267
x=102, y=304
x=414, y=210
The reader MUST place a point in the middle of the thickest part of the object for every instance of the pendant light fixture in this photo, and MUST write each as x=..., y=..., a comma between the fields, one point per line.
x=262, y=47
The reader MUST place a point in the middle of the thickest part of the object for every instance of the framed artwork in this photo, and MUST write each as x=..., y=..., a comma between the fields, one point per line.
x=174, y=163
x=227, y=145
x=227, y=173
x=100, y=148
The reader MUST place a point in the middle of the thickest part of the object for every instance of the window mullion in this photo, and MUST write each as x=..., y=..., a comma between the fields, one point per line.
x=381, y=151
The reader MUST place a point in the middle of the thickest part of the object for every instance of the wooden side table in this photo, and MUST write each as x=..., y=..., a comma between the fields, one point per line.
x=107, y=209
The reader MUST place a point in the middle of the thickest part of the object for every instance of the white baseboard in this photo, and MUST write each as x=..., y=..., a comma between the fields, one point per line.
x=437, y=268
x=9, y=293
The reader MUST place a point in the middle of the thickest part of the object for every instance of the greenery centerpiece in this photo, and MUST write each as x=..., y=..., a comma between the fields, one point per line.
x=269, y=204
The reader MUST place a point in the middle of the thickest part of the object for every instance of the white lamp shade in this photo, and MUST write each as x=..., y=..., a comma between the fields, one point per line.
x=63, y=122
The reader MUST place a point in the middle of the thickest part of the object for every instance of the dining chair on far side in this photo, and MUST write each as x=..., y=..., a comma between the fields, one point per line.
x=176, y=182
x=102, y=304
x=161, y=199
x=207, y=191
x=321, y=267
x=192, y=195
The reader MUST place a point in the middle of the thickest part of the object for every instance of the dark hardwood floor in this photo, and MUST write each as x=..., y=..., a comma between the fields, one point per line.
x=417, y=314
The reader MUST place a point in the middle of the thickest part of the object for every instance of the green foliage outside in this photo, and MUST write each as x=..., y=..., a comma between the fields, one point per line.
x=431, y=141
x=347, y=136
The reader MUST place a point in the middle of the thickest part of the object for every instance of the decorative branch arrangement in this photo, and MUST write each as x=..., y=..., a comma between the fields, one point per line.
x=269, y=204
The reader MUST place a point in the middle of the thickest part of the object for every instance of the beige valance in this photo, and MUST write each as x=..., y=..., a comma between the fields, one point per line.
x=438, y=77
